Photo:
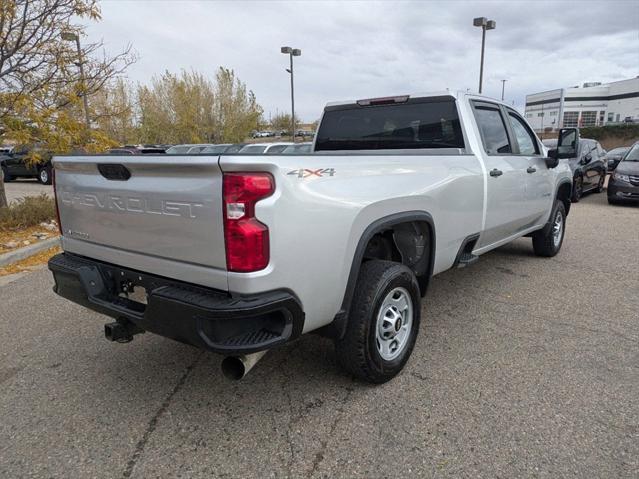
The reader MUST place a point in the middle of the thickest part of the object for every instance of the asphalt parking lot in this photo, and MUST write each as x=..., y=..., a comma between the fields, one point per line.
x=26, y=187
x=525, y=367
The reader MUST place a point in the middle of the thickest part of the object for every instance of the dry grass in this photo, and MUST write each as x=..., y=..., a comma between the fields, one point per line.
x=31, y=262
x=25, y=212
x=22, y=234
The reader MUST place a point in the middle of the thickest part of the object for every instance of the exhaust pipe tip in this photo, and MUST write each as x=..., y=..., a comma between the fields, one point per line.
x=233, y=368
x=236, y=367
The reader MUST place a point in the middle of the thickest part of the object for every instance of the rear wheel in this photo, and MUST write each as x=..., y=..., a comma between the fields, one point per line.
x=382, y=324
x=7, y=177
x=547, y=242
x=577, y=188
x=44, y=175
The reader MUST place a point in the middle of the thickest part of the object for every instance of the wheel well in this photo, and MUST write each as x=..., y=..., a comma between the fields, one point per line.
x=407, y=238
x=408, y=243
x=563, y=194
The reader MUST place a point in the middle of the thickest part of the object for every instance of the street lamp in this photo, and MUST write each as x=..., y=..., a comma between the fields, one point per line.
x=292, y=52
x=503, y=85
x=485, y=24
x=74, y=37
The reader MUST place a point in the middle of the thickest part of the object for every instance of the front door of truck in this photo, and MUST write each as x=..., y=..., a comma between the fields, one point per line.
x=539, y=181
x=506, y=181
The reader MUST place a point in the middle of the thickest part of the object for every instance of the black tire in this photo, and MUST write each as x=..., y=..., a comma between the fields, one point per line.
x=357, y=352
x=44, y=175
x=7, y=177
x=544, y=240
x=577, y=188
x=600, y=185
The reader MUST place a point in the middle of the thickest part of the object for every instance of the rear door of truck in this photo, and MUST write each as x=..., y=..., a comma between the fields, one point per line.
x=159, y=214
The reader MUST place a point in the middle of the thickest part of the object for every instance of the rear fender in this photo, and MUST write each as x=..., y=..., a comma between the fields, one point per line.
x=338, y=327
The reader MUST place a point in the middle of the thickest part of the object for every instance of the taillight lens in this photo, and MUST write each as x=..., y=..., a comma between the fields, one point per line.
x=55, y=199
x=247, y=240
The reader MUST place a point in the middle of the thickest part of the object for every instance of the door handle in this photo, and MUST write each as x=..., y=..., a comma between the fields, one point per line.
x=495, y=172
x=531, y=169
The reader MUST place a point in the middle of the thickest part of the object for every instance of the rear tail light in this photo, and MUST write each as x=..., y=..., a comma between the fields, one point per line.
x=55, y=199
x=247, y=240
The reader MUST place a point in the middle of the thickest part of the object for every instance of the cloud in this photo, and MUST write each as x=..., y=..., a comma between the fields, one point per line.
x=358, y=49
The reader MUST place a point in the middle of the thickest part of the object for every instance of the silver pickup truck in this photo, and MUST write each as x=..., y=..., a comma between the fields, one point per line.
x=239, y=253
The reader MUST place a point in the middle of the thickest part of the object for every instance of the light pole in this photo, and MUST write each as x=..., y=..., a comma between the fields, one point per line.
x=485, y=24
x=74, y=37
x=503, y=85
x=292, y=52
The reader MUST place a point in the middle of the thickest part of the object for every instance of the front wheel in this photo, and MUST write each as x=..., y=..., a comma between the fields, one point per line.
x=383, y=322
x=600, y=185
x=577, y=188
x=44, y=175
x=547, y=241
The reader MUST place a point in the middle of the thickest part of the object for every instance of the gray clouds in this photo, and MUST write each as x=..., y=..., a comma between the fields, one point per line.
x=362, y=49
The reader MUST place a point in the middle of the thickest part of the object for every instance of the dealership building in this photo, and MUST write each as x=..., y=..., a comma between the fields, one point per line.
x=594, y=104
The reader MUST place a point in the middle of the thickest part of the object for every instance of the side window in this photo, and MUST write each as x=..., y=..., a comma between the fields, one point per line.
x=493, y=130
x=525, y=138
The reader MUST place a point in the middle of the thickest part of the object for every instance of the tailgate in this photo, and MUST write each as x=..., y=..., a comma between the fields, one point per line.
x=166, y=218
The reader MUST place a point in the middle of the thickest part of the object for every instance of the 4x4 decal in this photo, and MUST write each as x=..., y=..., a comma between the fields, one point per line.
x=306, y=172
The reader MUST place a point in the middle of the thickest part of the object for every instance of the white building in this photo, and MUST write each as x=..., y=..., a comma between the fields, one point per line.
x=594, y=104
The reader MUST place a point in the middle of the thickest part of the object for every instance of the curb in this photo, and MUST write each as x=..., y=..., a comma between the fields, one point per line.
x=22, y=253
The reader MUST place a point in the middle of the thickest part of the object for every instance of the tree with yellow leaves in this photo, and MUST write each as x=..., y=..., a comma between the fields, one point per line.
x=190, y=108
x=40, y=82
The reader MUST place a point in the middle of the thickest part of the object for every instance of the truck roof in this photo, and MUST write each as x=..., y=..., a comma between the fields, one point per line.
x=441, y=93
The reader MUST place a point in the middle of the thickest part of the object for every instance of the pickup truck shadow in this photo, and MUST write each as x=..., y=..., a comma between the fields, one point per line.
x=308, y=365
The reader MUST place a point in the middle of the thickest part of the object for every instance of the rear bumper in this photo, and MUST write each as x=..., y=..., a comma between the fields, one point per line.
x=203, y=317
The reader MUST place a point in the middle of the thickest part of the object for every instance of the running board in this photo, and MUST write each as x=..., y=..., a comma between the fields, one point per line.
x=466, y=259
x=465, y=256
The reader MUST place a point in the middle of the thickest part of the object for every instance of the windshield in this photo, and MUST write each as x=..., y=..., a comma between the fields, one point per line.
x=196, y=149
x=422, y=123
x=303, y=148
x=618, y=151
x=216, y=149
x=275, y=149
x=235, y=148
x=255, y=149
x=178, y=150
x=633, y=154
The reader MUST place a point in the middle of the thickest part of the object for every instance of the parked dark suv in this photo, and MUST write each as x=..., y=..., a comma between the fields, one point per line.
x=588, y=165
x=15, y=164
x=624, y=182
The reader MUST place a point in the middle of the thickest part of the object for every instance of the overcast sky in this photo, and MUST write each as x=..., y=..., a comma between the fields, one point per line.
x=353, y=49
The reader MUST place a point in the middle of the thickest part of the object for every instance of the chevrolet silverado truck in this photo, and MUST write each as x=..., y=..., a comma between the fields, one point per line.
x=240, y=253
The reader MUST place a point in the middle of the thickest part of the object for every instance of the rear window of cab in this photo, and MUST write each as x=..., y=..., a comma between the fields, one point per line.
x=413, y=124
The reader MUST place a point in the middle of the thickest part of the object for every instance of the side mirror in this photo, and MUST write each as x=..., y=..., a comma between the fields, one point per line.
x=567, y=143
x=552, y=161
x=586, y=159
